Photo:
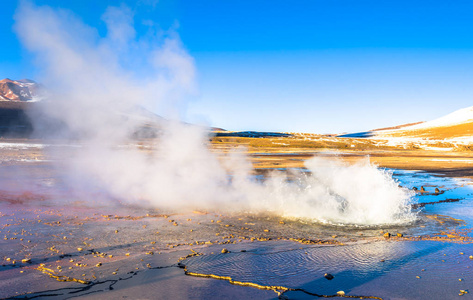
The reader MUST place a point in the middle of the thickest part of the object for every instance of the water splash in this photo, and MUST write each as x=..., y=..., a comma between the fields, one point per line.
x=336, y=192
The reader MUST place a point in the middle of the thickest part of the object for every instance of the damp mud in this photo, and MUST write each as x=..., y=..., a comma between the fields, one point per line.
x=57, y=245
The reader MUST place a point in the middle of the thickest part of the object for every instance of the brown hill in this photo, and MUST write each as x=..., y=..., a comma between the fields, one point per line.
x=17, y=90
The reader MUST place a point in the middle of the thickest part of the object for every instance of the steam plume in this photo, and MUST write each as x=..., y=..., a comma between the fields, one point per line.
x=95, y=80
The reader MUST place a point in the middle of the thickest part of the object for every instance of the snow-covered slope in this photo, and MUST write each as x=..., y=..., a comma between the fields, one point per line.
x=464, y=115
x=454, y=128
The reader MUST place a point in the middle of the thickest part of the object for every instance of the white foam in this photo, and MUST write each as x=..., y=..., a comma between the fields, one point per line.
x=340, y=193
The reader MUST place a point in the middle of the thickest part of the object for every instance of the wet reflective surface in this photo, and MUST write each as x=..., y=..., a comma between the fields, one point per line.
x=55, y=246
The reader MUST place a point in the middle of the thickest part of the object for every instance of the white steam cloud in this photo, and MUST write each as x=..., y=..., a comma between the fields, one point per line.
x=97, y=85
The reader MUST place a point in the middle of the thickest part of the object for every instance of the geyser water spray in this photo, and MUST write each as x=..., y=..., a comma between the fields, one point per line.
x=91, y=85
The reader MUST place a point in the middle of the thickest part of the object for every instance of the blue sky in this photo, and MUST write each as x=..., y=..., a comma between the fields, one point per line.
x=306, y=66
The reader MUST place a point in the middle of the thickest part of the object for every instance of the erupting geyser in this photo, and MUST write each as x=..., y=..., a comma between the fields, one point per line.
x=94, y=79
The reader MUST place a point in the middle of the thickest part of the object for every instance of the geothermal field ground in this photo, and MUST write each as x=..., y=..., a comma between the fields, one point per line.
x=353, y=218
x=121, y=176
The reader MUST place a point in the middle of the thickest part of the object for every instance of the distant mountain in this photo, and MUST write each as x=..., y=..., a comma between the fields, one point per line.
x=17, y=97
x=454, y=127
x=19, y=90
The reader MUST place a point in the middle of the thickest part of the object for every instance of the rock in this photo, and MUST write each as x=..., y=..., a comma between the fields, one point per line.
x=387, y=235
x=414, y=189
x=422, y=189
x=399, y=235
x=437, y=190
x=328, y=276
x=225, y=250
x=341, y=293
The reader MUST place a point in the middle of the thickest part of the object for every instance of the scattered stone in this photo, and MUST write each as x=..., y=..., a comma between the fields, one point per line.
x=422, y=189
x=225, y=250
x=99, y=264
x=437, y=190
x=26, y=260
x=328, y=276
x=341, y=293
x=399, y=235
x=387, y=235
x=80, y=249
x=471, y=257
